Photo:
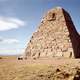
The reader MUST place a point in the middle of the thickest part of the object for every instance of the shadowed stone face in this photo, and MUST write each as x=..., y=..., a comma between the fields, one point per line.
x=55, y=37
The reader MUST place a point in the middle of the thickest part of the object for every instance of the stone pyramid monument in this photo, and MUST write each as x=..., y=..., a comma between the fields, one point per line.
x=55, y=37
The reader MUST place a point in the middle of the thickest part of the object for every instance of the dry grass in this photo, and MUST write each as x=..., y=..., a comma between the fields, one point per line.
x=46, y=69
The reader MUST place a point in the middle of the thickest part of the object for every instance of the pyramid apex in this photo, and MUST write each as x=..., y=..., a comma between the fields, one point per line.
x=56, y=8
x=59, y=7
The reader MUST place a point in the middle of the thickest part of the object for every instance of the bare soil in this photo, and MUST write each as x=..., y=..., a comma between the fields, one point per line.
x=39, y=69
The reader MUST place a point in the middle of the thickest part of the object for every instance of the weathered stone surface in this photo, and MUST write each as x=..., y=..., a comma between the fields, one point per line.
x=55, y=37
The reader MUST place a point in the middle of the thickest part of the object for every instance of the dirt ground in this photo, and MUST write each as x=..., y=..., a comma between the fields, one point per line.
x=39, y=69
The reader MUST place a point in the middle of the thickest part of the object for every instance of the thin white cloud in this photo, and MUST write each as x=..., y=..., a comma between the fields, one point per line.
x=7, y=23
x=9, y=41
x=9, y=46
x=8, y=51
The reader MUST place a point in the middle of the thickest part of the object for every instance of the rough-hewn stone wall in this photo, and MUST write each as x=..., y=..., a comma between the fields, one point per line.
x=55, y=37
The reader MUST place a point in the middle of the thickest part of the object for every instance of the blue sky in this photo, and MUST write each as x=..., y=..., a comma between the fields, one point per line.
x=20, y=18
